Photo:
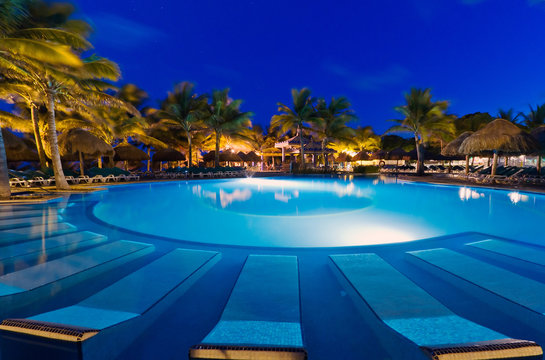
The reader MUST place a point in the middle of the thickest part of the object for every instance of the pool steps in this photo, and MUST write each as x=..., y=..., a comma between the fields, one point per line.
x=24, y=287
x=101, y=326
x=26, y=233
x=412, y=324
x=15, y=256
x=13, y=223
x=21, y=213
x=503, y=290
x=262, y=318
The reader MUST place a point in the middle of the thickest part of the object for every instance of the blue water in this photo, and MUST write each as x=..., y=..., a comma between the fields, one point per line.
x=302, y=212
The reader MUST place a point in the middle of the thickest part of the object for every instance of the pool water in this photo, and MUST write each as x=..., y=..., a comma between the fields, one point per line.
x=303, y=212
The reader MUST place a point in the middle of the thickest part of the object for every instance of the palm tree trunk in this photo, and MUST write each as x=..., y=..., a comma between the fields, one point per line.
x=494, y=164
x=262, y=160
x=37, y=137
x=467, y=164
x=302, y=149
x=217, y=154
x=5, y=191
x=326, y=162
x=420, y=156
x=81, y=163
x=190, y=153
x=538, y=165
x=149, y=161
x=99, y=162
x=60, y=181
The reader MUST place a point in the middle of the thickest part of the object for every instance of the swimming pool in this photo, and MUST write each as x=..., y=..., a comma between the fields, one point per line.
x=343, y=221
x=317, y=212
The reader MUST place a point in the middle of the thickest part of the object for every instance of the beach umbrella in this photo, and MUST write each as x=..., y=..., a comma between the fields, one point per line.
x=362, y=155
x=343, y=157
x=12, y=142
x=379, y=155
x=82, y=142
x=252, y=157
x=500, y=137
x=539, y=134
x=242, y=155
x=168, y=155
x=224, y=156
x=126, y=152
x=19, y=149
x=453, y=147
x=397, y=154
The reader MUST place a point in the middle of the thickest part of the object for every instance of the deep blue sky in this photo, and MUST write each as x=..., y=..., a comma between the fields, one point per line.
x=479, y=54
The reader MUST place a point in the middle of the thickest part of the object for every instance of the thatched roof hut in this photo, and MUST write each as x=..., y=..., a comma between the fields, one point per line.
x=397, y=154
x=452, y=148
x=128, y=152
x=501, y=137
x=167, y=155
x=379, y=155
x=252, y=157
x=361, y=156
x=539, y=134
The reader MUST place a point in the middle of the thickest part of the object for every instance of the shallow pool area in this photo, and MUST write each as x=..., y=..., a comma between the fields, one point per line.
x=316, y=212
x=303, y=262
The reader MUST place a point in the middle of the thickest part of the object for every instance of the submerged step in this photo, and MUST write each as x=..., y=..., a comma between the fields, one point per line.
x=22, y=214
x=262, y=318
x=508, y=292
x=13, y=223
x=526, y=256
x=35, y=232
x=101, y=326
x=19, y=254
x=24, y=287
x=414, y=325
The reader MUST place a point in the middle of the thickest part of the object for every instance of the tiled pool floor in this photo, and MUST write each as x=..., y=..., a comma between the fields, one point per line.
x=332, y=326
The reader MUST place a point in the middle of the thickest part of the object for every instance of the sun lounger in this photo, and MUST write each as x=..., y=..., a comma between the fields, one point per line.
x=15, y=222
x=19, y=254
x=72, y=180
x=262, y=319
x=505, y=291
x=521, y=255
x=34, y=232
x=101, y=326
x=15, y=181
x=85, y=178
x=40, y=181
x=414, y=325
x=21, y=288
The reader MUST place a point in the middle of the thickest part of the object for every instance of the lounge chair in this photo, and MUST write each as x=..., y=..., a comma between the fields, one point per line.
x=16, y=256
x=22, y=288
x=40, y=181
x=102, y=325
x=86, y=179
x=412, y=324
x=261, y=319
x=72, y=180
x=16, y=181
x=34, y=232
x=515, y=295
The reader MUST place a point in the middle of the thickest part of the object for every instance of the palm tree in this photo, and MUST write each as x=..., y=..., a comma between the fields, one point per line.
x=224, y=116
x=184, y=108
x=421, y=115
x=297, y=119
x=258, y=140
x=365, y=139
x=535, y=118
x=332, y=123
x=509, y=115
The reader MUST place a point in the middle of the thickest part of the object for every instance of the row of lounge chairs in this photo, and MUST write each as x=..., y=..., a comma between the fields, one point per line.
x=262, y=317
x=510, y=175
x=195, y=172
x=39, y=178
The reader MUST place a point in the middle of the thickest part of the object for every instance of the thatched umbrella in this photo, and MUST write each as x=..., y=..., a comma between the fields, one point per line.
x=224, y=156
x=343, y=157
x=379, y=155
x=397, y=154
x=362, y=155
x=82, y=142
x=126, y=152
x=19, y=149
x=252, y=157
x=242, y=155
x=12, y=142
x=453, y=147
x=539, y=134
x=501, y=137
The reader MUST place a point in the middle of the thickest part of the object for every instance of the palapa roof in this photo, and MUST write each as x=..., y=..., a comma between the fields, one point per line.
x=168, y=155
x=78, y=140
x=362, y=155
x=500, y=136
x=224, y=156
x=397, y=154
x=251, y=157
x=12, y=142
x=128, y=152
x=294, y=141
x=452, y=148
x=343, y=157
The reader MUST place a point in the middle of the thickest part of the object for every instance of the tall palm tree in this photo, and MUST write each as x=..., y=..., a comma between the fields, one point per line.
x=535, y=118
x=258, y=140
x=421, y=115
x=184, y=108
x=297, y=119
x=332, y=122
x=224, y=116
x=509, y=115
x=365, y=139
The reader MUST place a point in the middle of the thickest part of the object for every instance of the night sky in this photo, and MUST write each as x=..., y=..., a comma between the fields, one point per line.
x=481, y=55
